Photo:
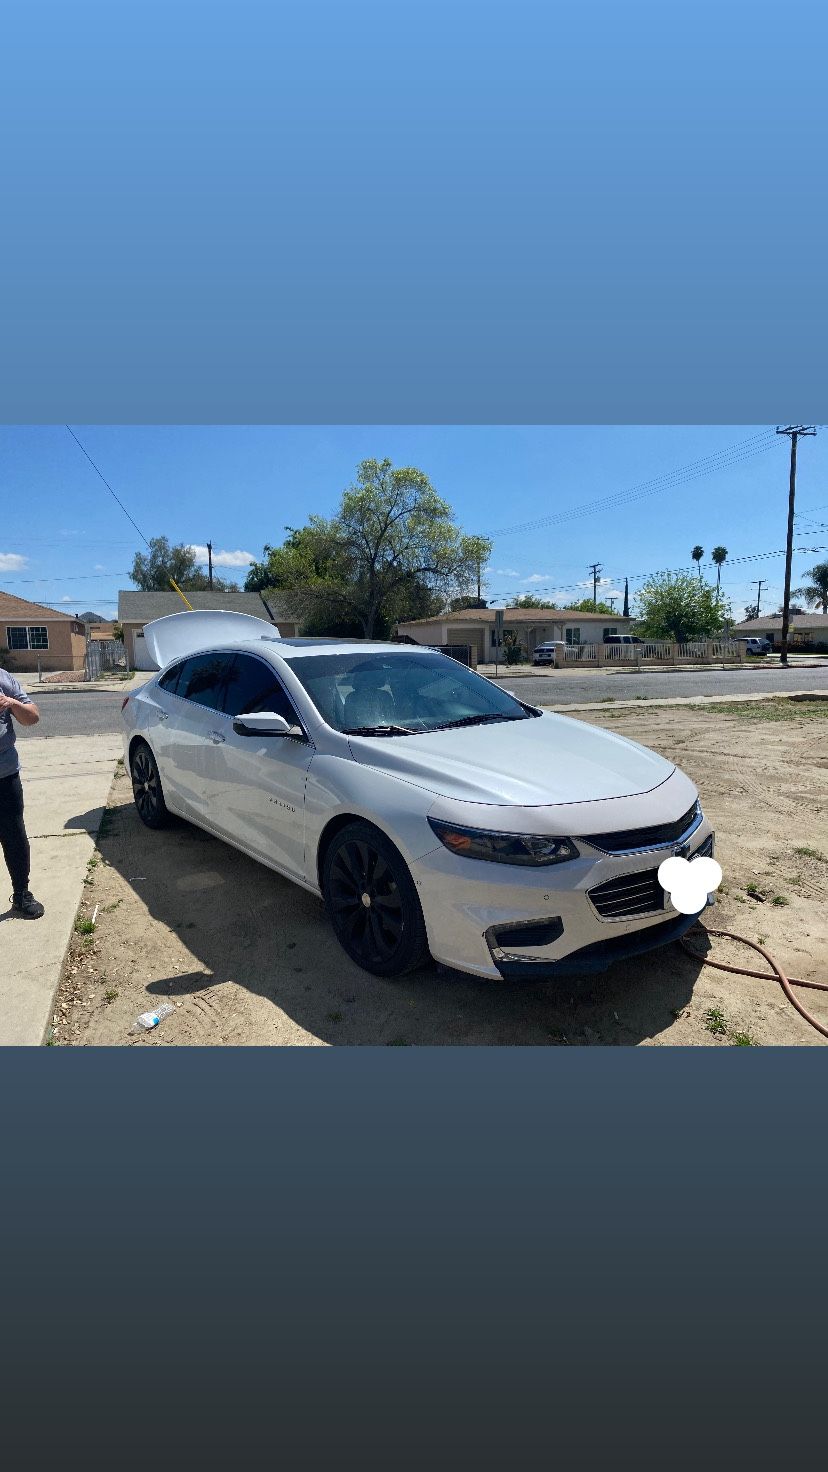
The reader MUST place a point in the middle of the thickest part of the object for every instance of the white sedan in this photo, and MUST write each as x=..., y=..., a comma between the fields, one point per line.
x=434, y=812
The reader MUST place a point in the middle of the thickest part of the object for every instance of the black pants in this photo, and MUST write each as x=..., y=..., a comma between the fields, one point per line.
x=13, y=838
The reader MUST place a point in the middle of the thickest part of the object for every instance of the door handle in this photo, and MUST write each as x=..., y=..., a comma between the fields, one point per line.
x=217, y=737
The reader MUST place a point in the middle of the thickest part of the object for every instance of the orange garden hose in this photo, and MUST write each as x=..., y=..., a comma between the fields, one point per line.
x=786, y=982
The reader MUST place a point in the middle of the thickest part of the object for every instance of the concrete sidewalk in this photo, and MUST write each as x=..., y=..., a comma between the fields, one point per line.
x=36, y=688
x=66, y=781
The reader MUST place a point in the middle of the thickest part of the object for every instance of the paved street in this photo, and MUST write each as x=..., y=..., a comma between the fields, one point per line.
x=98, y=712
x=566, y=689
x=80, y=713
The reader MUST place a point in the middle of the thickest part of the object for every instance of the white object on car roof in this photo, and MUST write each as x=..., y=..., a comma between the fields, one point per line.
x=179, y=634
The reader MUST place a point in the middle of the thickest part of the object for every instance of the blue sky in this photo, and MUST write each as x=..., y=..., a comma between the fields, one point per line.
x=65, y=542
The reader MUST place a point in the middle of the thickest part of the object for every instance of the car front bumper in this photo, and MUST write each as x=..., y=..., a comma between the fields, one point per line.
x=511, y=923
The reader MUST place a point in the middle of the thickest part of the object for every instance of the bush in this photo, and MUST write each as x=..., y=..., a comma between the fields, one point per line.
x=512, y=649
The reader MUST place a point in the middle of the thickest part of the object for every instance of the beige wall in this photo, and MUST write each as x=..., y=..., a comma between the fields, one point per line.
x=66, y=649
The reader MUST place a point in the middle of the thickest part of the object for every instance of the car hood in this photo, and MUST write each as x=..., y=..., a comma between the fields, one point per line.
x=532, y=763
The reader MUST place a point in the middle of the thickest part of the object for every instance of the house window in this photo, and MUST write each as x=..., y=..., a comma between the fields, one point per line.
x=573, y=636
x=610, y=631
x=22, y=638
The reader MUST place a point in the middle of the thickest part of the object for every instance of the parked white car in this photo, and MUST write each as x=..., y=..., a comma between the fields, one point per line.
x=756, y=646
x=434, y=812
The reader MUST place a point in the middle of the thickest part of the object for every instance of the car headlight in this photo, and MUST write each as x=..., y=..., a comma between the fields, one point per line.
x=503, y=848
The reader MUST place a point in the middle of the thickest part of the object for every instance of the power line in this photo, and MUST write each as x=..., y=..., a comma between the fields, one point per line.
x=718, y=460
x=85, y=577
x=108, y=486
x=654, y=572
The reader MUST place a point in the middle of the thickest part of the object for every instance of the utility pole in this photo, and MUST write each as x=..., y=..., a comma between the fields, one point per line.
x=210, y=563
x=793, y=431
x=612, y=604
x=595, y=568
x=759, y=587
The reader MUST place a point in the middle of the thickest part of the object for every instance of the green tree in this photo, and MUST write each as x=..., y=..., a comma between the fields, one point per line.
x=531, y=600
x=310, y=557
x=392, y=551
x=697, y=555
x=152, y=571
x=459, y=605
x=680, y=607
x=586, y=605
x=815, y=592
x=719, y=555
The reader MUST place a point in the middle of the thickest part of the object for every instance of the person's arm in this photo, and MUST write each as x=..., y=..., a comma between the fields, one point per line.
x=24, y=711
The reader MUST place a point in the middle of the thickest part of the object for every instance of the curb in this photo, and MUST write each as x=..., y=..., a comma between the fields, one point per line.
x=796, y=695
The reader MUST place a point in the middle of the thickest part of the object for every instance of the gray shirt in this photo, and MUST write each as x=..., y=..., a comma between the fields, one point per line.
x=9, y=762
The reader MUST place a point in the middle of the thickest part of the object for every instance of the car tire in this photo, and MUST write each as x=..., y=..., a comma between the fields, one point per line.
x=147, y=791
x=386, y=934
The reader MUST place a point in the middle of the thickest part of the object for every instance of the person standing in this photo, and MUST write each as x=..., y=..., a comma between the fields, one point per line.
x=15, y=705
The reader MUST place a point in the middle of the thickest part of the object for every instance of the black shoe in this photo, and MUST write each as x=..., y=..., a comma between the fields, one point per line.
x=26, y=905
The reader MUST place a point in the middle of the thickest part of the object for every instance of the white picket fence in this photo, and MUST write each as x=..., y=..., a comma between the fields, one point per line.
x=654, y=652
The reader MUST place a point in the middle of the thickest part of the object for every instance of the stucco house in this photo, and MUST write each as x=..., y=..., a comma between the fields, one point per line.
x=32, y=636
x=805, y=630
x=136, y=608
x=533, y=626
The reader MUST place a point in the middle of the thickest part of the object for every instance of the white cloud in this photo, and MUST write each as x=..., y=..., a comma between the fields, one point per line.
x=502, y=572
x=223, y=559
x=12, y=562
x=99, y=567
x=65, y=599
x=538, y=577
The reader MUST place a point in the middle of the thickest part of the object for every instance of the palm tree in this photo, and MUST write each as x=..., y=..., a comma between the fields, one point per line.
x=719, y=555
x=697, y=555
x=816, y=591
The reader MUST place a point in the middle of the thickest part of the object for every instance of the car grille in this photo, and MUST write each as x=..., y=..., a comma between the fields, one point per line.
x=629, y=894
x=637, y=838
x=637, y=894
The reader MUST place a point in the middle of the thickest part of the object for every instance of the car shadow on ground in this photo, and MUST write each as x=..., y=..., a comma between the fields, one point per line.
x=219, y=918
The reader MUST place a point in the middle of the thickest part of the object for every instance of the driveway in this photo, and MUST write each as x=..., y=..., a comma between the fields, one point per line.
x=248, y=958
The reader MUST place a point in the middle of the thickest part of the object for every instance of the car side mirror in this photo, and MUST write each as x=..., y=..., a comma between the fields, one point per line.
x=265, y=723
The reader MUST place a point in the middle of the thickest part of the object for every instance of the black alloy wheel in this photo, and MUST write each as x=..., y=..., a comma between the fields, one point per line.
x=373, y=903
x=146, y=788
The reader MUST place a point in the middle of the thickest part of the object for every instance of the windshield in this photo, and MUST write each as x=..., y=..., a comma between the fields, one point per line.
x=398, y=694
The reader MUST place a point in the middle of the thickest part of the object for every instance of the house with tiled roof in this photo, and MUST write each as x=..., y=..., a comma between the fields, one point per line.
x=805, y=630
x=532, y=626
x=33, y=636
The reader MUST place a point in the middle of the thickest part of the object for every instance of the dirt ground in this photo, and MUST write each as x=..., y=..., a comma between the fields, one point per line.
x=247, y=958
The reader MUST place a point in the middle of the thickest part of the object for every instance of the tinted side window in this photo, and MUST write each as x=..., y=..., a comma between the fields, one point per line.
x=255, y=686
x=203, y=678
x=169, y=681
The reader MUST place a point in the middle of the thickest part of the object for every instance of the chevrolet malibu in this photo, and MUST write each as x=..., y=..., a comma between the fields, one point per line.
x=434, y=812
